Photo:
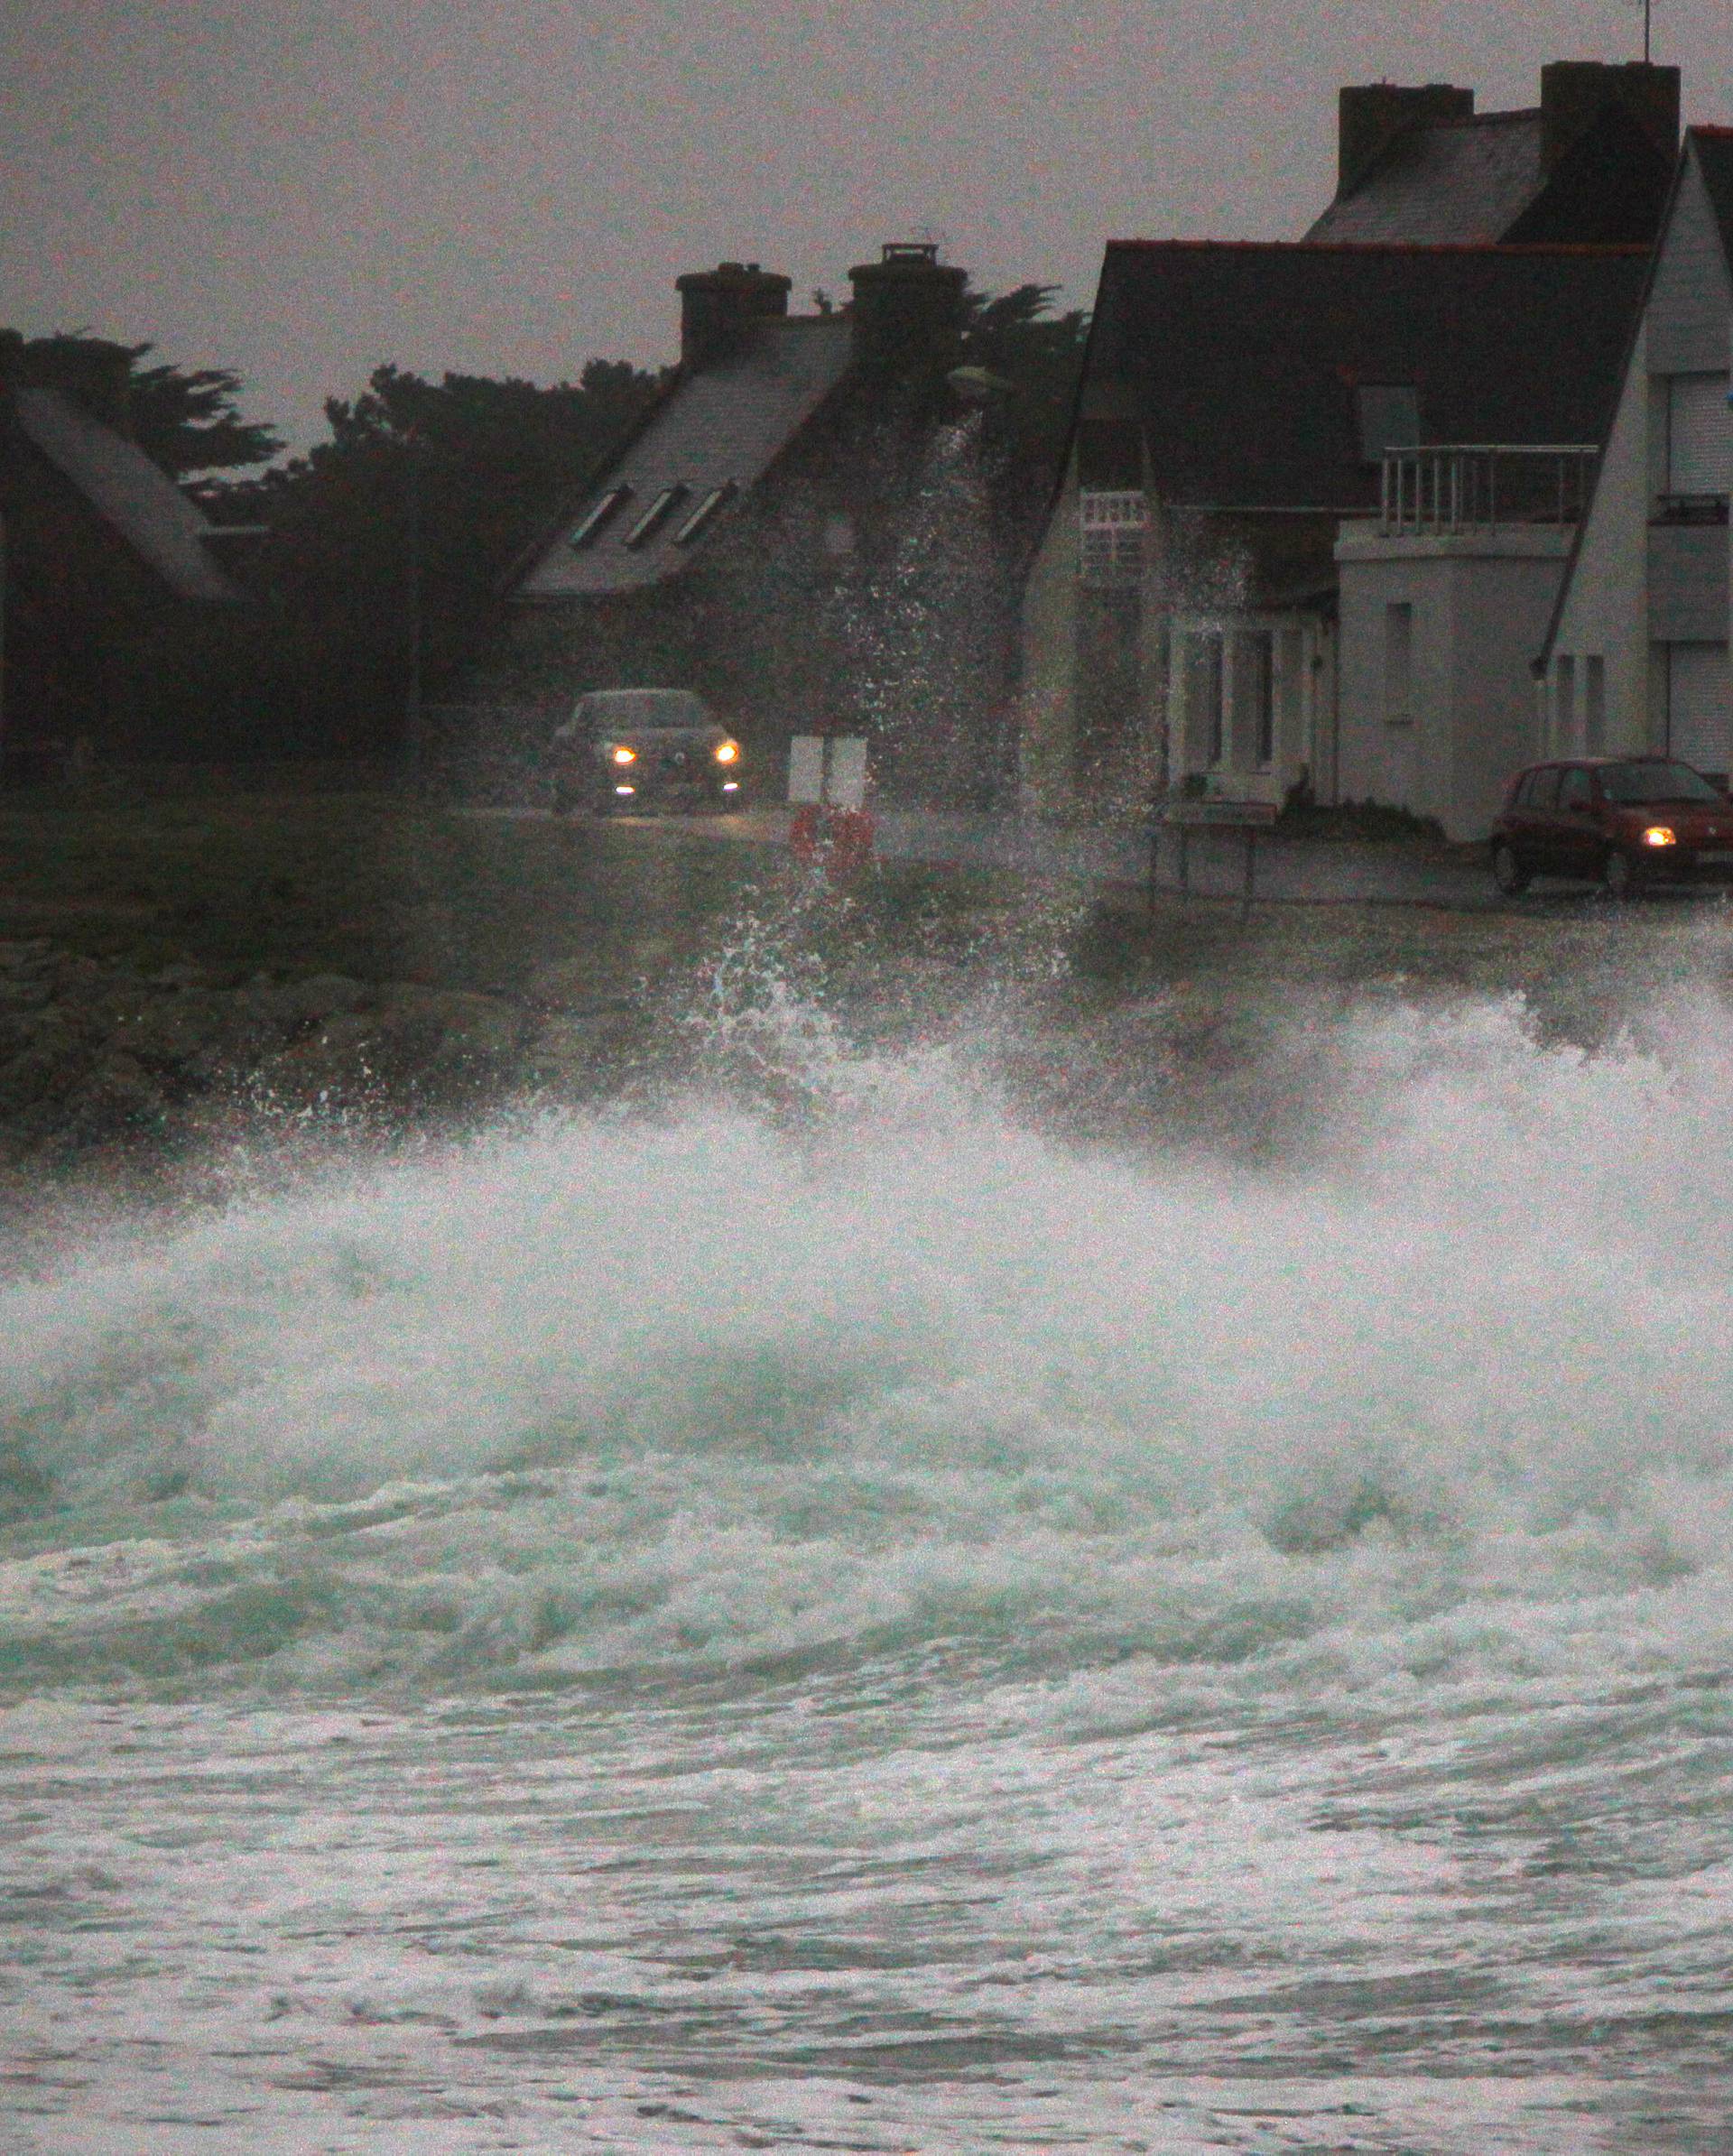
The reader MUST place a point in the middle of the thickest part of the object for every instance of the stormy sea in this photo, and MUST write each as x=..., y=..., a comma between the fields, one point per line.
x=862, y=1618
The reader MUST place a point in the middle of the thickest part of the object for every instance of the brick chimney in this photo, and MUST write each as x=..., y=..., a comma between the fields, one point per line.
x=908, y=310
x=1370, y=116
x=717, y=306
x=1575, y=93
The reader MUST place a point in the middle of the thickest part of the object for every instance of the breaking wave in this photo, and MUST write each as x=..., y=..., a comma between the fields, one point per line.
x=1437, y=1397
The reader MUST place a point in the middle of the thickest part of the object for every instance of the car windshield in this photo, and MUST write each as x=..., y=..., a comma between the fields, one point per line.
x=630, y=711
x=1657, y=782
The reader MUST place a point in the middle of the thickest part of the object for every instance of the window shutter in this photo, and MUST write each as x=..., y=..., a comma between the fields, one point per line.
x=1700, y=434
x=1698, y=719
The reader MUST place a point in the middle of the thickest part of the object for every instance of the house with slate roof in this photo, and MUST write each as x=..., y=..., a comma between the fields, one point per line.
x=115, y=606
x=1635, y=655
x=1591, y=164
x=1256, y=425
x=1239, y=403
x=794, y=531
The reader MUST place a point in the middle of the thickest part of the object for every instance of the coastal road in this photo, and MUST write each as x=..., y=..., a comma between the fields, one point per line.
x=1295, y=871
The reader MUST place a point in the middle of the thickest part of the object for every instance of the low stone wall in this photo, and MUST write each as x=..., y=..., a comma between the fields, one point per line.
x=98, y=1060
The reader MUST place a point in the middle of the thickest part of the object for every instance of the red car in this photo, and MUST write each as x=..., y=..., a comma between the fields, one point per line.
x=1622, y=821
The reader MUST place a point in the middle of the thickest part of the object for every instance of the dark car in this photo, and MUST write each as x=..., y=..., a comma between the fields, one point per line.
x=1622, y=821
x=625, y=749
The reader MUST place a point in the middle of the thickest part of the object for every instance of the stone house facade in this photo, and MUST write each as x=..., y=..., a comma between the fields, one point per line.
x=798, y=531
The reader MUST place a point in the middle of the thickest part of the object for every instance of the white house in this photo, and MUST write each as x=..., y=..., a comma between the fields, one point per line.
x=1190, y=618
x=1239, y=402
x=1636, y=657
x=1445, y=595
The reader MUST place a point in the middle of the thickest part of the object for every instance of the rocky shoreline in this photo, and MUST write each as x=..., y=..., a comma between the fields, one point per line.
x=104, y=1066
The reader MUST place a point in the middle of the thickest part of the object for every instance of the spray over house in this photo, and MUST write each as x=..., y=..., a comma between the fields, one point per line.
x=796, y=530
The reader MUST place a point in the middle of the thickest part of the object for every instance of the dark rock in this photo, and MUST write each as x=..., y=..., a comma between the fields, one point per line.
x=323, y=996
x=172, y=1031
x=54, y=1063
x=116, y=1096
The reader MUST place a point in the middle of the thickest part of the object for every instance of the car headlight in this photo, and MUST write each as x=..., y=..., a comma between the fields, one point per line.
x=728, y=751
x=624, y=755
x=1659, y=834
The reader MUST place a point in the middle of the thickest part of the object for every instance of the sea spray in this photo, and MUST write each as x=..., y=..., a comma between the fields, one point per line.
x=699, y=1386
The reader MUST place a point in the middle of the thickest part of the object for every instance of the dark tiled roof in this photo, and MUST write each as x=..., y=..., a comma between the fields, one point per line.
x=723, y=425
x=1240, y=360
x=140, y=503
x=1457, y=181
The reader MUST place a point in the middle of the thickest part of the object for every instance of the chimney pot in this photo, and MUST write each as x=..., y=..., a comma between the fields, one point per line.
x=907, y=310
x=718, y=306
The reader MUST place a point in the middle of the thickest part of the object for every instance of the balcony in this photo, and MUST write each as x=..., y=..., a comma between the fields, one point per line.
x=1111, y=530
x=1449, y=487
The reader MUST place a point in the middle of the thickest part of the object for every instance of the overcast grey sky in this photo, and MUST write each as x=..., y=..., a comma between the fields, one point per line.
x=300, y=189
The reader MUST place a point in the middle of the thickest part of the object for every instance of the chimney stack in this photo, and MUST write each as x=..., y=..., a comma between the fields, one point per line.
x=908, y=310
x=1575, y=93
x=718, y=306
x=1370, y=116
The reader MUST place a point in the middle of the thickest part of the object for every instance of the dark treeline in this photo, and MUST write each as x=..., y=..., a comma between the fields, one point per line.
x=377, y=562
x=388, y=546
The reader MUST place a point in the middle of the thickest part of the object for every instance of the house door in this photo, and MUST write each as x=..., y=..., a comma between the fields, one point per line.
x=1700, y=727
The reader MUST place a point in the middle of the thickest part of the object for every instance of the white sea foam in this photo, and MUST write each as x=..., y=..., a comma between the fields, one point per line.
x=1438, y=1397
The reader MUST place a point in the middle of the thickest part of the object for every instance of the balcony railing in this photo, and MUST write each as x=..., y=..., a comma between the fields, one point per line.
x=1475, y=486
x=1111, y=529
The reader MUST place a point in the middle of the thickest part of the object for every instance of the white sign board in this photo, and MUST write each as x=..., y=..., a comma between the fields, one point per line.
x=844, y=781
x=806, y=769
x=828, y=770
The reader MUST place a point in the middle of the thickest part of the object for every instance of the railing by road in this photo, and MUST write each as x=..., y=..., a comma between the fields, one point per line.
x=1474, y=486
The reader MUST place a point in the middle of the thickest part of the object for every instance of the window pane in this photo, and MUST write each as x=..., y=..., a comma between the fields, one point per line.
x=1388, y=413
x=1594, y=704
x=1398, y=665
x=1262, y=684
x=1564, y=704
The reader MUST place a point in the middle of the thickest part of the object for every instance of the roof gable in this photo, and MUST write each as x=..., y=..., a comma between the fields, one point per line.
x=136, y=500
x=721, y=425
x=1241, y=360
x=1709, y=153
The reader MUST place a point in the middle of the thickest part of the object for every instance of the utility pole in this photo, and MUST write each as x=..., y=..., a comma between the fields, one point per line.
x=412, y=609
x=3, y=640
x=1648, y=6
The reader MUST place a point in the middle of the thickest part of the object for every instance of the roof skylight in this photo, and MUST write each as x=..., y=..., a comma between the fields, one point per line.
x=706, y=510
x=656, y=516
x=591, y=525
